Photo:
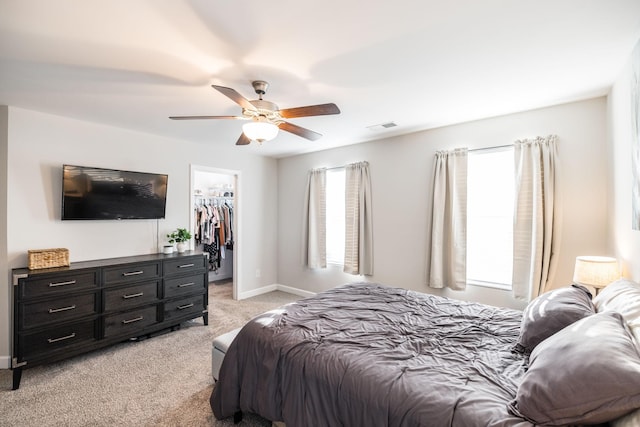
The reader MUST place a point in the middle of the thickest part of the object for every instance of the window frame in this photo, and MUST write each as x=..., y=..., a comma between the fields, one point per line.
x=478, y=281
x=331, y=260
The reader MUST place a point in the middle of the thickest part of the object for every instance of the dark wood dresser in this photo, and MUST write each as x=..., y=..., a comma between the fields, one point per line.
x=62, y=312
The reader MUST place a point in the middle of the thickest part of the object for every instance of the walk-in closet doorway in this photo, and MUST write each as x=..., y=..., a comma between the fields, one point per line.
x=218, y=189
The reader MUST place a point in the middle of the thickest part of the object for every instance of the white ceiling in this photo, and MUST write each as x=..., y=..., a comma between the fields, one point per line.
x=418, y=63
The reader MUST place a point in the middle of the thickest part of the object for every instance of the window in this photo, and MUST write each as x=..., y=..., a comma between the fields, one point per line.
x=335, y=215
x=490, y=204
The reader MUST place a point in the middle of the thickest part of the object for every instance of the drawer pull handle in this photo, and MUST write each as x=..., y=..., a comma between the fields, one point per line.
x=58, y=310
x=70, y=282
x=184, y=285
x=139, y=294
x=182, y=307
x=186, y=265
x=52, y=340
x=133, y=273
x=136, y=319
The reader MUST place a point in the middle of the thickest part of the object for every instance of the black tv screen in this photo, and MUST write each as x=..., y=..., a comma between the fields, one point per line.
x=97, y=193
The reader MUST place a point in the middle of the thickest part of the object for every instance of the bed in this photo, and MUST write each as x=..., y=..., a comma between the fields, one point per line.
x=365, y=354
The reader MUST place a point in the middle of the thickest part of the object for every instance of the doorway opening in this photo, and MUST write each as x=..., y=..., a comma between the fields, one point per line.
x=215, y=221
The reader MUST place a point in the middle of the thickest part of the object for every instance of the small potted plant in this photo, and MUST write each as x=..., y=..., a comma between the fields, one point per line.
x=181, y=236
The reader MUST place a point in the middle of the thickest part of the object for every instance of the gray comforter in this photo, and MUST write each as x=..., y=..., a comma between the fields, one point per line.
x=368, y=355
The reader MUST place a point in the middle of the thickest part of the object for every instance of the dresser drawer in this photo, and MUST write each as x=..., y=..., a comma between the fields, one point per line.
x=184, y=307
x=184, y=285
x=184, y=265
x=130, y=273
x=56, y=339
x=131, y=322
x=56, y=284
x=127, y=297
x=57, y=310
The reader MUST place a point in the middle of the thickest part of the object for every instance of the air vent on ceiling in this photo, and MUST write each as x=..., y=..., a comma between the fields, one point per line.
x=382, y=126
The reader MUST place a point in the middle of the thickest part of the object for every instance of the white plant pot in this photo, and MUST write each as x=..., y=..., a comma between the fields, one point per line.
x=182, y=246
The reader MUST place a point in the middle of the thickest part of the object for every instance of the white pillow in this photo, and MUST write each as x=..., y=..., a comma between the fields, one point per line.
x=622, y=296
x=629, y=420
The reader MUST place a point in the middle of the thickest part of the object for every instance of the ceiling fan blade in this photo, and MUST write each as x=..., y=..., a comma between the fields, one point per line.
x=311, y=110
x=206, y=117
x=300, y=131
x=235, y=97
x=243, y=140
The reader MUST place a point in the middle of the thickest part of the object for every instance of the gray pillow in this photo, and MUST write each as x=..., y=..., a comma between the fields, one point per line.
x=587, y=373
x=551, y=312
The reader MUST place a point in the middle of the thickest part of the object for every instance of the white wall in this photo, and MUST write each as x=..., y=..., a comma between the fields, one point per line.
x=38, y=145
x=624, y=238
x=5, y=291
x=401, y=173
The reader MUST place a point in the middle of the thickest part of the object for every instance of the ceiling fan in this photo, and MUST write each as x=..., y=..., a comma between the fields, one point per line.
x=265, y=117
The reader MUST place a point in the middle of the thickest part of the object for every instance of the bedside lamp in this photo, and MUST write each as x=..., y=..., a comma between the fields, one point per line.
x=595, y=271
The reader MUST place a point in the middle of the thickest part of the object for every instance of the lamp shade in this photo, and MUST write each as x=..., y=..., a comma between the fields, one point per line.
x=596, y=271
x=260, y=130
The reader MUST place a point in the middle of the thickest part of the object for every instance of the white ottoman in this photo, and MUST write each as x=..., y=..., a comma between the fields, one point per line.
x=219, y=349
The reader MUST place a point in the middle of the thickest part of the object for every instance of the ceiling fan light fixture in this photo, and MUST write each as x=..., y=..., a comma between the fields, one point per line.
x=260, y=131
x=266, y=119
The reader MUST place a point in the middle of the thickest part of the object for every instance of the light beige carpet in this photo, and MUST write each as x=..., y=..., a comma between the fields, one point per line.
x=161, y=381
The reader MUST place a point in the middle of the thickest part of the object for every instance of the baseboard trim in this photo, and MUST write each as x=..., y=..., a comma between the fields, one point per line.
x=295, y=291
x=256, y=292
x=274, y=287
x=5, y=362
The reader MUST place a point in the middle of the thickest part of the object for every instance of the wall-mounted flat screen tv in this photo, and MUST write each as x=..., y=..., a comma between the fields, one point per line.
x=97, y=193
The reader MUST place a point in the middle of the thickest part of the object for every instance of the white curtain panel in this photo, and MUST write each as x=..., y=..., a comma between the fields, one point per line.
x=358, y=247
x=447, y=264
x=315, y=221
x=536, y=217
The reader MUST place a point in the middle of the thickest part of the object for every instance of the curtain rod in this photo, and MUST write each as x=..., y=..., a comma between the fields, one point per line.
x=490, y=148
x=343, y=167
x=330, y=169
